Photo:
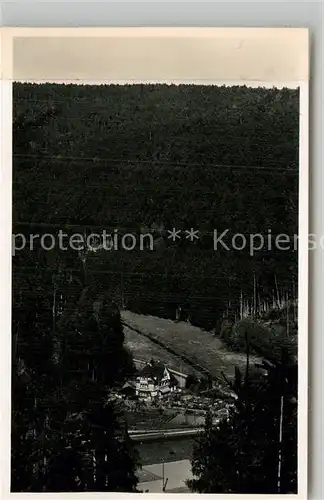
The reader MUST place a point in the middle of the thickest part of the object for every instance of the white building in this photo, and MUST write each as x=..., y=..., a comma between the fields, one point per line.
x=154, y=381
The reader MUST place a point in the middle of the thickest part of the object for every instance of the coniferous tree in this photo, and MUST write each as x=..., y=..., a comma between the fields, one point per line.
x=68, y=356
x=254, y=450
x=180, y=146
x=95, y=362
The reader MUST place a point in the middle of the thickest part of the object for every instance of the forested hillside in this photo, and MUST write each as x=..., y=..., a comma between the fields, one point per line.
x=138, y=159
x=153, y=157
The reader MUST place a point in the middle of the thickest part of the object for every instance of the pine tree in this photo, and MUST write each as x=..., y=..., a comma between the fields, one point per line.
x=68, y=435
x=248, y=453
x=67, y=358
x=95, y=362
x=33, y=379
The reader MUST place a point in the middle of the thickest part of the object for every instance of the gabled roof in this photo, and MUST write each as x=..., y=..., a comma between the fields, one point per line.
x=154, y=371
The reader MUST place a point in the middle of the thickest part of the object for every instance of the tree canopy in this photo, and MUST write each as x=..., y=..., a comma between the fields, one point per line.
x=254, y=451
x=147, y=158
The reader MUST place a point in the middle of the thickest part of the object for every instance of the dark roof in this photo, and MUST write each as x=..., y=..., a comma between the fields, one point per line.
x=154, y=371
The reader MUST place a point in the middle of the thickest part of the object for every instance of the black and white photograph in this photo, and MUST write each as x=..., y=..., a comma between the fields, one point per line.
x=155, y=287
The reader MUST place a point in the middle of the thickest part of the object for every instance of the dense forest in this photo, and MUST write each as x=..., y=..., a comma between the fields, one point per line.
x=257, y=445
x=139, y=158
x=147, y=158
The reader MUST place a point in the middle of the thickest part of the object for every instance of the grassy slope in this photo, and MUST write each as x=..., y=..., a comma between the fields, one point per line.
x=198, y=345
x=142, y=348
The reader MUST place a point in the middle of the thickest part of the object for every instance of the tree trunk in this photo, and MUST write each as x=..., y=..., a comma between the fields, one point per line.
x=280, y=443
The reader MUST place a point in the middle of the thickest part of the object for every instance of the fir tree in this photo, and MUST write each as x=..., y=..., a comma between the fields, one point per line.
x=67, y=358
x=254, y=450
